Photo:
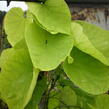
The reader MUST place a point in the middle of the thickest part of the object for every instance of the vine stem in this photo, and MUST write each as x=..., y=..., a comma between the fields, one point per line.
x=51, y=84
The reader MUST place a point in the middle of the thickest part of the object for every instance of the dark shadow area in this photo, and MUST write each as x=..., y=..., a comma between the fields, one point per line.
x=2, y=14
x=3, y=40
x=3, y=105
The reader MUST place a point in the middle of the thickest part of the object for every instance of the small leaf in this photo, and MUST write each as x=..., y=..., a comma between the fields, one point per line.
x=14, y=25
x=69, y=98
x=53, y=103
x=63, y=97
x=53, y=15
x=83, y=99
x=47, y=51
x=87, y=73
x=18, y=79
x=70, y=60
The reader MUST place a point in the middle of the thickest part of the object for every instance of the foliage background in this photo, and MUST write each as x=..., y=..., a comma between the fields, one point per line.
x=81, y=13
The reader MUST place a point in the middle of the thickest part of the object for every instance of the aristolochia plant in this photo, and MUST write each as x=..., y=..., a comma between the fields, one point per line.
x=45, y=44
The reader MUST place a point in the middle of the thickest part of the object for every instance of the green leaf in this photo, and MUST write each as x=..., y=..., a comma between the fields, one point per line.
x=14, y=25
x=102, y=102
x=70, y=60
x=83, y=99
x=37, y=94
x=18, y=79
x=47, y=51
x=53, y=103
x=68, y=97
x=62, y=97
x=53, y=15
x=87, y=73
x=91, y=40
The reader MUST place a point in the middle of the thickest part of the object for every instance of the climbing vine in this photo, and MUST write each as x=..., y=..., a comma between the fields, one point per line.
x=54, y=62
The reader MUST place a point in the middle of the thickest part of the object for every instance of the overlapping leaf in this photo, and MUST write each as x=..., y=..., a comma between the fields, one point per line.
x=37, y=94
x=83, y=99
x=88, y=73
x=64, y=98
x=48, y=47
x=53, y=15
x=14, y=25
x=69, y=97
x=47, y=51
x=18, y=79
x=101, y=102
x=92, y=40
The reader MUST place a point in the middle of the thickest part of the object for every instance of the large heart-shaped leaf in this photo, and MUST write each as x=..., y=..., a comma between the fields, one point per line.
x=14, y=25
x=92, y=40
x=87, y=73
x=53, y=15
x=47, y=51
x=18, y=79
